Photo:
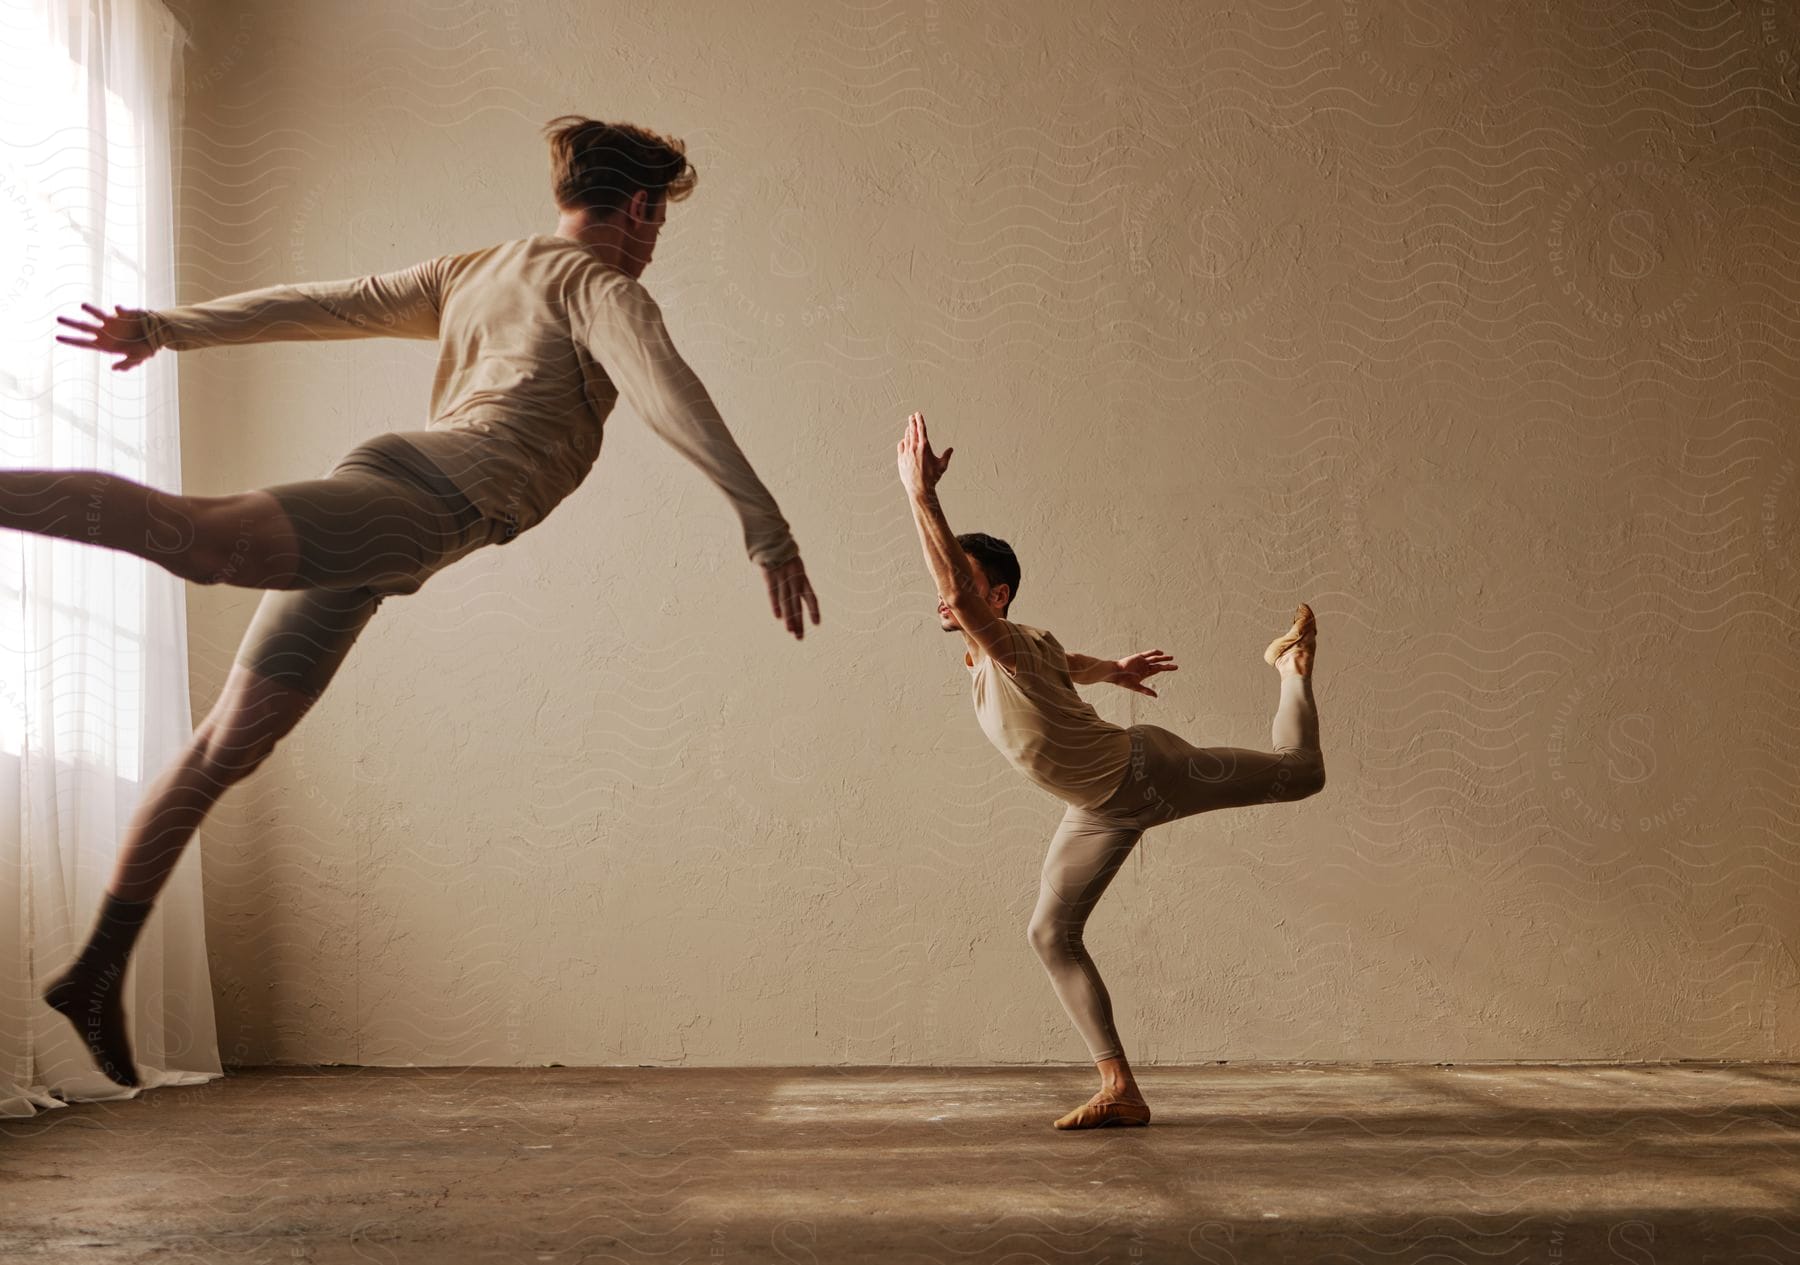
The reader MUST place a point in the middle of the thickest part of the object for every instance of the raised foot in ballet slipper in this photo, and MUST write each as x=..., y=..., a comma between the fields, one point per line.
x=1303, y=634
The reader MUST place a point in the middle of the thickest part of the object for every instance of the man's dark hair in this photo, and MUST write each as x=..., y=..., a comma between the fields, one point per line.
x=598, y=166
x=998, y=561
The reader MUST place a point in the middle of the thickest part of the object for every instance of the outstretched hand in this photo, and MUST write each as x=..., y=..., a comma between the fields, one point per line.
x=1132, y=670
x=120, y=334
x=789, y=590
x=920, y=468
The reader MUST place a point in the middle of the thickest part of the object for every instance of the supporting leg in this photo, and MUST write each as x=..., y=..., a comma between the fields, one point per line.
x=1085, y=854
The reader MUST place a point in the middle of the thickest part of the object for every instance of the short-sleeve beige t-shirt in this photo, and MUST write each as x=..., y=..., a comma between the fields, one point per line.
x=1042, y=725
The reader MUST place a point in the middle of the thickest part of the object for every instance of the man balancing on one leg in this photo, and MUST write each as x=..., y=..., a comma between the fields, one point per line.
x=1117, y=782
x=538, y=338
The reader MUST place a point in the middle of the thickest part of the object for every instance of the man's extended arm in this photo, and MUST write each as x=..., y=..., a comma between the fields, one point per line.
x=402, y=304
x=622, y=327
x=948, y=564
x=1128, y=673
x=920, y=470
x=1084, y=670
x=949, y=567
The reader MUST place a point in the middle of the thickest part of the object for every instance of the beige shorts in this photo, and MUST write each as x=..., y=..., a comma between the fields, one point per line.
x=379, y=525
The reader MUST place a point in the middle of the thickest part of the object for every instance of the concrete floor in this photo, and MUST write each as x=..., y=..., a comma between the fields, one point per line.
x=1669, y=1165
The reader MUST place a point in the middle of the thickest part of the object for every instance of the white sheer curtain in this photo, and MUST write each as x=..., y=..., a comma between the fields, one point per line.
x=93, y=643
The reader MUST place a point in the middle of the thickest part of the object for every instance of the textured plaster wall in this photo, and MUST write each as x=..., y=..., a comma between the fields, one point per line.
x=1474, y=325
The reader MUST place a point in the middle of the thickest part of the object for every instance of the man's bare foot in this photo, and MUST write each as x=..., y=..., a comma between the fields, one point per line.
x=1105, y=1108
x=1291, y=654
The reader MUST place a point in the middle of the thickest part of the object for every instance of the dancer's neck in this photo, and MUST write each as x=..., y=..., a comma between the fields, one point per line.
x=605, y=240
x=602, y=240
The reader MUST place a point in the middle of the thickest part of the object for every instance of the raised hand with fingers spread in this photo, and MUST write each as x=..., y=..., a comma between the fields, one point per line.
x=120, y=334
x=920, y=468
x=1133, y=669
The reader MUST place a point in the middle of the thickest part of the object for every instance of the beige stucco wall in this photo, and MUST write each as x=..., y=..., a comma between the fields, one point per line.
x=1473, y=325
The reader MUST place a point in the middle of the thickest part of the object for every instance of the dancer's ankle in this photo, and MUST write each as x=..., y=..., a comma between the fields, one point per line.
x=1298, y=660
x=1116, y=1080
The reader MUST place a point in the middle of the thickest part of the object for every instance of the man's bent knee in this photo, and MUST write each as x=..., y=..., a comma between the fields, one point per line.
x=1299, y=775
x=1309, y=778
x=1050, y=939
x=231, y=758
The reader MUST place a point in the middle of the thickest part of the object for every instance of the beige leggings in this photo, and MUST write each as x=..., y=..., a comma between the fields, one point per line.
x=1168, y=779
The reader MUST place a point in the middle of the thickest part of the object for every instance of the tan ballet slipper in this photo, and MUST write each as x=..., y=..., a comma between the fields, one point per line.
x=1304, y=632
x=1099, y=1112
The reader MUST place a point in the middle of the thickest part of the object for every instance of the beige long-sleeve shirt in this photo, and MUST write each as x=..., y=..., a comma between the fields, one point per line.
x=1048, y=731
x=538, y=338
